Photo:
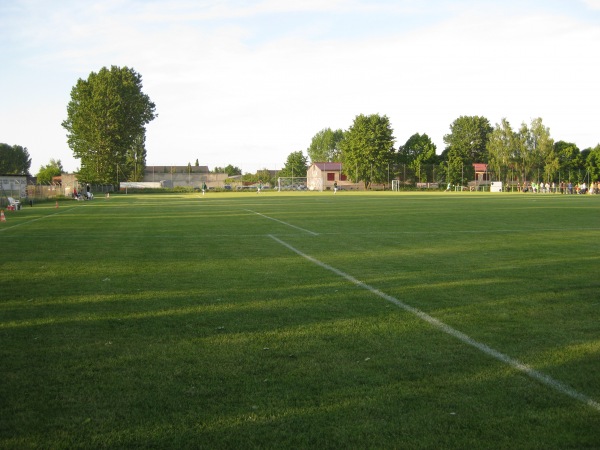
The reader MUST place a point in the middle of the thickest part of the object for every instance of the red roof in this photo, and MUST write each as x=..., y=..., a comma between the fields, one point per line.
x=329, y=165
x=480, y=167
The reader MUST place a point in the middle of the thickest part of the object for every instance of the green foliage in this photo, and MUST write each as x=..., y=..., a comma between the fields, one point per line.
x=535, y=157
x=53, y=169
x=541, y=146
x=416, y=152
x=229, y=170
x=501, y=149
x=266, y=176
x=468, y=139
x=296, y=165
x=324, y=146
x=106, y=119
x=569, y=157
x=368, y=149
x=263, y=176
x=14, y=160
x=467, y=142
x=592, y=163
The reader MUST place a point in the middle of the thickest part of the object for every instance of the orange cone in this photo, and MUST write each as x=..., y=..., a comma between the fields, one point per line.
x=2, y=218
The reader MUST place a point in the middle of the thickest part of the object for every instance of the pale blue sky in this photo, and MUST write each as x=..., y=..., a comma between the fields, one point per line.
x=248, y=82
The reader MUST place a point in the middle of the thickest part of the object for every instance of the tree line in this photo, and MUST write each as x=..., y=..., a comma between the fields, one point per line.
x=367, y=153
x=108, y=112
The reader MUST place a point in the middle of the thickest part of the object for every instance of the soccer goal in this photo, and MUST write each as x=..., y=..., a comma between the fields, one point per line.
x=291, y=184
x=395, y=185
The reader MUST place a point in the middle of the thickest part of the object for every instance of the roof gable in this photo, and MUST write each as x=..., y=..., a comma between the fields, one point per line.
x=331, y=166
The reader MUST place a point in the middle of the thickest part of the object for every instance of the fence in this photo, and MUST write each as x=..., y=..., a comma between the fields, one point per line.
x=44, y=192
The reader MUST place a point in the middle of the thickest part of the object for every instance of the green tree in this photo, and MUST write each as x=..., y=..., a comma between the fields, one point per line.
x=524, y=160
x=14, y=160
x=296, y=165
x=467, y=144
x=592, y=163
x=368, y=149
x=569, y=157
x=263, y=176
x=418, y=151
x=135, y=161
x=106, y=119
x=324, y=146
x=538, y=148
x=53, y=169
x=501, y=148
x=229, y=170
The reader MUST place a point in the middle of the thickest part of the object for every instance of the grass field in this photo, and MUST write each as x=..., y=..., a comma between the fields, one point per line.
x=302, y=320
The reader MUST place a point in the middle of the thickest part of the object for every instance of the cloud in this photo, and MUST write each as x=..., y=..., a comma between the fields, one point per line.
x=593, y=4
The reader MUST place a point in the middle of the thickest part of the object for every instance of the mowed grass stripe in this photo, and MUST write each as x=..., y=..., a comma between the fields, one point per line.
x=536, y=375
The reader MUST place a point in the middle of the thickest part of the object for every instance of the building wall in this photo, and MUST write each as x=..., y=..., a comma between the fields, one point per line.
x=186, y=179
x=315, y=178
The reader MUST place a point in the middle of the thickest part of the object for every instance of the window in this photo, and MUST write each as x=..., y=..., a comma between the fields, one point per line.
x=330, y=176
x=343, y=177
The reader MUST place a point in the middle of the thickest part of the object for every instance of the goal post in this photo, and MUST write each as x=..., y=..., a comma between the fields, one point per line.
x=291, y=184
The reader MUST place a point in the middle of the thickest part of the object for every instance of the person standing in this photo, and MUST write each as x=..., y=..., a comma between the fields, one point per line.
x=203, y=187
x=335, y=187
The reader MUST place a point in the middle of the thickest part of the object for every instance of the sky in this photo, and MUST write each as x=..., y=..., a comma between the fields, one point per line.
x=249, y=82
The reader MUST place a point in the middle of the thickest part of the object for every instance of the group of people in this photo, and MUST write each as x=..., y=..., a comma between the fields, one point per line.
x=87, y=196
x=562, y=188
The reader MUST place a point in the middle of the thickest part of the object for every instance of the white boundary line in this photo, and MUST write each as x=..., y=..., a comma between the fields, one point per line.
x=515, y=364
x=282, y=222
x=10, y=227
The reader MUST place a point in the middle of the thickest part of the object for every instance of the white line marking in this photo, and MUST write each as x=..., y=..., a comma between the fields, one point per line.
x=284, y=223
x=539, y=376
x=35, y=220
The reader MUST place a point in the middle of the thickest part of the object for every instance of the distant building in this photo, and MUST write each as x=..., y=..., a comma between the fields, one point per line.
x=322, y=175
x=188, y=176
x=481, y=172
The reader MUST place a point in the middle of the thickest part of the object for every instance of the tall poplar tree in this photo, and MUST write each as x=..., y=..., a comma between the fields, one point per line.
x=502, y=150
x=537, y=159
x=105, y=125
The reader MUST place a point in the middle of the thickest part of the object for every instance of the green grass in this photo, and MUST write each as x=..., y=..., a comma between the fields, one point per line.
x=177, y=321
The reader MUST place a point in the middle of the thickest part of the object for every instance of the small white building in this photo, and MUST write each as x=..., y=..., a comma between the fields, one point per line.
x=322, y=175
